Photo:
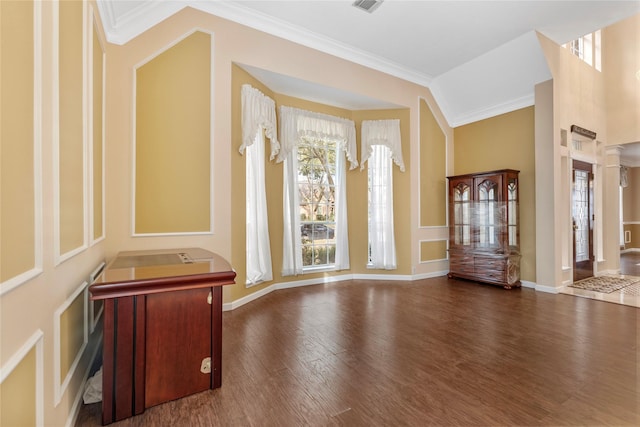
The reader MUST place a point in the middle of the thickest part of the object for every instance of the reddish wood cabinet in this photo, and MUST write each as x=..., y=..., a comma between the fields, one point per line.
x=484, y=231
x=162, y=327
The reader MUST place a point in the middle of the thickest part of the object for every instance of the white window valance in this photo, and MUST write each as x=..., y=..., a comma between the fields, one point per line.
x=296, y=124
x=382, y=132
x=258, y=114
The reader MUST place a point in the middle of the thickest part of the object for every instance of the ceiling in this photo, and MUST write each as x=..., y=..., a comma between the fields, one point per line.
x=479, y=58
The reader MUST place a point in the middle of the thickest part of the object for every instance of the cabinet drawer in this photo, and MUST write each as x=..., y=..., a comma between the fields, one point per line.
x=461, y=264
x=492, y=269
x=490, y=264
x=492, y=276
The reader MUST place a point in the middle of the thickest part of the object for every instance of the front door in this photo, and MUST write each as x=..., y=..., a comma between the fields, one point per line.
x=582, y=210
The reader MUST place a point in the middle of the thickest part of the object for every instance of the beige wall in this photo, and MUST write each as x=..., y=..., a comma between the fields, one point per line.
x=621, y=59
x=584, y=97
x=505, y=142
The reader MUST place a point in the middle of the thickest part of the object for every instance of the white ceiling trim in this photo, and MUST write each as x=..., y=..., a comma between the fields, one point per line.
x=121, y=30
x=279, y=28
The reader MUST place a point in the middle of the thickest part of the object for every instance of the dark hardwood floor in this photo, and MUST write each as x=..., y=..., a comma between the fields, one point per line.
x=429, y=352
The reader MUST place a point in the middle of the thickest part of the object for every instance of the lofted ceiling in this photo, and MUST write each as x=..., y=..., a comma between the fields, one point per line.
x=479, y=58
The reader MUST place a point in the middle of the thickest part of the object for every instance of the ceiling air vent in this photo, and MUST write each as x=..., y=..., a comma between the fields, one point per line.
x=367, y=5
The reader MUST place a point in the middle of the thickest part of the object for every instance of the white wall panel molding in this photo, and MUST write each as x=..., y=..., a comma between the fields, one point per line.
x=146, y=60
x=95, y=308
x=446, y=258
x=92, y=22
x=24, y=277
x=60, y=384
x=36, y=340
x=60, y=257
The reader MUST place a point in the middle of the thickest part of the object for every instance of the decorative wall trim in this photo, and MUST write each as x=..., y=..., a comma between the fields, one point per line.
x=60, y=385
x=77, y=401
x=93, y=17
x=59, y=257
x=147, y=15
x=491, y=110
x=35, y=340
x=211, y=138
x=446, y=157
x=94, y=314
x=18, y=280
x=420, y=261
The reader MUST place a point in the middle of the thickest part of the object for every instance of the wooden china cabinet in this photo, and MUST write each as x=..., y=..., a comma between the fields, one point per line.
x=484, y=237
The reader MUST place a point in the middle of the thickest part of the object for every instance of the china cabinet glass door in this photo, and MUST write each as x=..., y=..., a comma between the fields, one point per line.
x=462, y=214
x=488, y=216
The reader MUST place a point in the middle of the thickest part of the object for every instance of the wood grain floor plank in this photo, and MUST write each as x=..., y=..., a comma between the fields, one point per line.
x=429, y=352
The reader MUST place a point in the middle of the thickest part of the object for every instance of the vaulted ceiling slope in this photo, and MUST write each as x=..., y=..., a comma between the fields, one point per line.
x=479, y=58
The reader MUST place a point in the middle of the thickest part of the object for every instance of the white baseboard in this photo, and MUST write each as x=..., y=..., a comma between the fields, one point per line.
x=527, y=284
x=624, y=251
x=547, y=289
x=430, y=275
x=322, y=280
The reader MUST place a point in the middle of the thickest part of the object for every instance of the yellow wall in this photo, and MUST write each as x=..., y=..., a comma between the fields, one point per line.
x=505, y=142
x=433, y=169
x=173, y=155
x=433, y=250
x=71, y=139
x=71, y=334
x=18, y=394
x=17, y=192
x=97, y=152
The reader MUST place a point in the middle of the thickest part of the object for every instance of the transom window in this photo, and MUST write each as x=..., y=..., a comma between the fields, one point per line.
x=588, y=48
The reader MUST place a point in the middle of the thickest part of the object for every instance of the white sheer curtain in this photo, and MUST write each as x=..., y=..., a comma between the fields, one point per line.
x=258, y=119
x=382, y=132
x=380, y=145
x=294, y=125
x=258, y=114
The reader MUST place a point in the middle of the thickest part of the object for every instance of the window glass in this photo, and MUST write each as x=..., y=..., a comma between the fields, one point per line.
x=317, y=198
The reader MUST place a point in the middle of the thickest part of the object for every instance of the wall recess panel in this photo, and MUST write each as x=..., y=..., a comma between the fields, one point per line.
x=17, y=183
x=173, y=140
x=71, y=137
x=433, y=161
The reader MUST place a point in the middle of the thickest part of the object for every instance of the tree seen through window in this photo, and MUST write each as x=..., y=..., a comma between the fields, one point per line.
x=317, y=197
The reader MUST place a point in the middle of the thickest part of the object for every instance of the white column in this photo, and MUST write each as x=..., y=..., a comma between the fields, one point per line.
x=611, y=213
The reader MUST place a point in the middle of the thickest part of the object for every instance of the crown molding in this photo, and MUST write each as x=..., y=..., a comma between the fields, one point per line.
x=120, y=30
x=492, y=110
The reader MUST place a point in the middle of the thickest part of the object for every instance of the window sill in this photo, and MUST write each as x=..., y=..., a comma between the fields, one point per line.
x=319, y=269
